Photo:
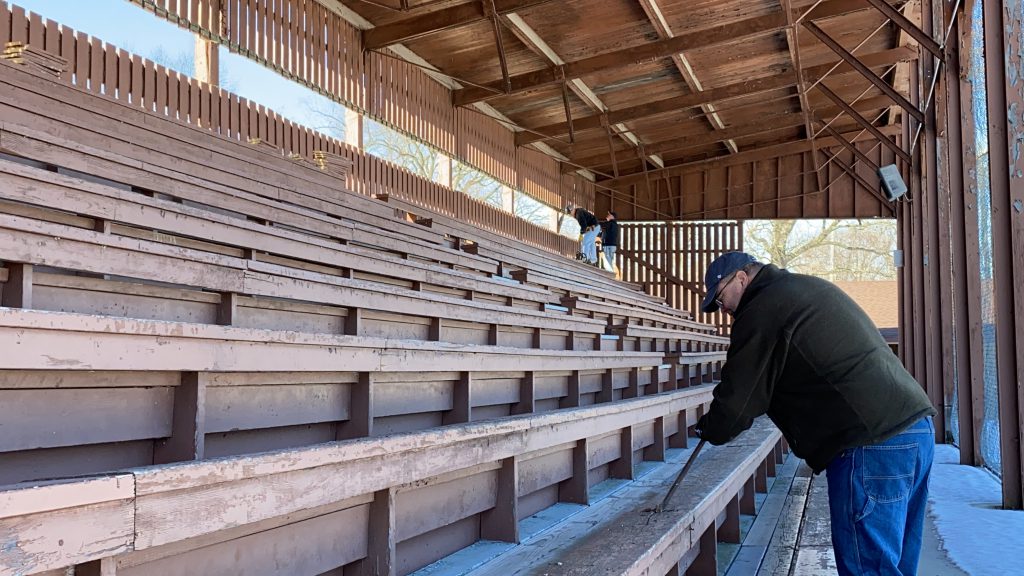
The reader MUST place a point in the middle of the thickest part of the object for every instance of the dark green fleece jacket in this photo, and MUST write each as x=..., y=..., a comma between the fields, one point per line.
x=804, y=353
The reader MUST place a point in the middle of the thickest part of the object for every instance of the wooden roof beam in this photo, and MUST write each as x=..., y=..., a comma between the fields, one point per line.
x=650, y=51
x=793, y=43
x=752, y=155
x=532, y=40
x=421, y=25
x=739, y=89
x=766, y=124
x=682, y=64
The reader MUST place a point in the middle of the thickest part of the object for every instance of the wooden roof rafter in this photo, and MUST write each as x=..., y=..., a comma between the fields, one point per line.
x=417, y=26
x=532, y=40
x=722, y=93
x=683, y=65
x=651, y=51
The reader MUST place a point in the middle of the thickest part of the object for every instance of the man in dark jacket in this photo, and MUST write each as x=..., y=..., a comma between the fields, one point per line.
x=610, y=239
x=804, y=353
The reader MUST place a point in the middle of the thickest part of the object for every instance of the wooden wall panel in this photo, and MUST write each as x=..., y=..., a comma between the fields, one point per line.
x=776, y=187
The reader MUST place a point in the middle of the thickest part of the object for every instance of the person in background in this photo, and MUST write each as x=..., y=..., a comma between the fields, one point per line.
x=589, y=229
x=610, y=240
x=803, y=352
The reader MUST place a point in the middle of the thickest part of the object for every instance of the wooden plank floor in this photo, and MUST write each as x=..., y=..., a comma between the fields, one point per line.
x=790, y=535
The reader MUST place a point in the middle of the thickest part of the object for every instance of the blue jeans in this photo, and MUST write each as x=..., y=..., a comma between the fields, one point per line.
x=590, y=244
x=877, y=497
x=609, y=257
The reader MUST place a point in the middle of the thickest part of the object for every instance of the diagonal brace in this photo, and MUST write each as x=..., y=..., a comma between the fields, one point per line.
x=865, y=71
x=863, y=122
x=909, y=27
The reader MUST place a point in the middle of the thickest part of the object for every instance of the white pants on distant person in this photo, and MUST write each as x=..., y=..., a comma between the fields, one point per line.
x=590, y=244
x=609, y=258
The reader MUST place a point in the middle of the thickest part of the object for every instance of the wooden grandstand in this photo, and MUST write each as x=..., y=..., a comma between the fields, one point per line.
x=230, y=344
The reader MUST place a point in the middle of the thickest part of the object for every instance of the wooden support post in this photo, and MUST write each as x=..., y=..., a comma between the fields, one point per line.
x=673, y=378
x=227, y=310
x=622, y=467
x=570, y=340
x=436, y=326
x=575, y=490
x=537, y=338
x=102, y=567
x=207, y=61
x=501, y=523
x=493, y=334
x=527, y=391
x=656, y=452
x=354, y=322
x=102, y=225
x=1003, y=52
x=779, y=456
x=462, y=401
x=769, y=463
x=681, y=439
x=729, y=531
x=607, y=393
x=188, y=422
x=380, y=547
x=17, y=291
x=748, y=504
x=572, y=398
x=698, y=412
x=360, y=410
x=706, y=563
x=761, y=478
x=633, y=390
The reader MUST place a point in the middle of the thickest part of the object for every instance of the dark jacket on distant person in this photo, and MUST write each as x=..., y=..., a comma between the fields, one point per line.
x=585, y=218
x=804, y=353
x=610, y=233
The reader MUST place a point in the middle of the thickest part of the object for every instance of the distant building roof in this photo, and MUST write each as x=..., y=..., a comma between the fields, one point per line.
x=880, y=299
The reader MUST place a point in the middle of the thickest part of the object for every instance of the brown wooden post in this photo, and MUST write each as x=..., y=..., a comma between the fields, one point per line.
x=436, y=327
x=681, y=439
x=572, y=398
x=227, y=310
x=1003, y=53
x=761, y=478
x=538, y=340
x=748, y=504
x=380, y=547
x=501, y=523
x=769, y=463
x=462, y=400
x=575, y=490
x=360, y=410
x=633, y=390
x=493, y=334
x=354, y=322
x=188, y=422
x=622, y=467
x=17, y=291
x=706, y=563
x=969, y=438
x=607, y=386
x=729, y=531
x=656, y=451
x=527, y=394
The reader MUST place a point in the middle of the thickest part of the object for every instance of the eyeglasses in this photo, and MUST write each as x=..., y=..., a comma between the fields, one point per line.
x=718, y=295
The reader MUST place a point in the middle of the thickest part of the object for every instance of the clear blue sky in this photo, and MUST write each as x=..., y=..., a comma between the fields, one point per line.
x=128, y=26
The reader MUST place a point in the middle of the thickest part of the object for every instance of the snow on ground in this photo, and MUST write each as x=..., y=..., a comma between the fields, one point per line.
x=979, y=537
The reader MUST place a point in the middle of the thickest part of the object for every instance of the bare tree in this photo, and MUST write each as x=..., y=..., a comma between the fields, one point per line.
x=835, y=249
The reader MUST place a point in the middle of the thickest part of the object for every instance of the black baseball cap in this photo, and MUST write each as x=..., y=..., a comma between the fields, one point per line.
x=722, y=267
